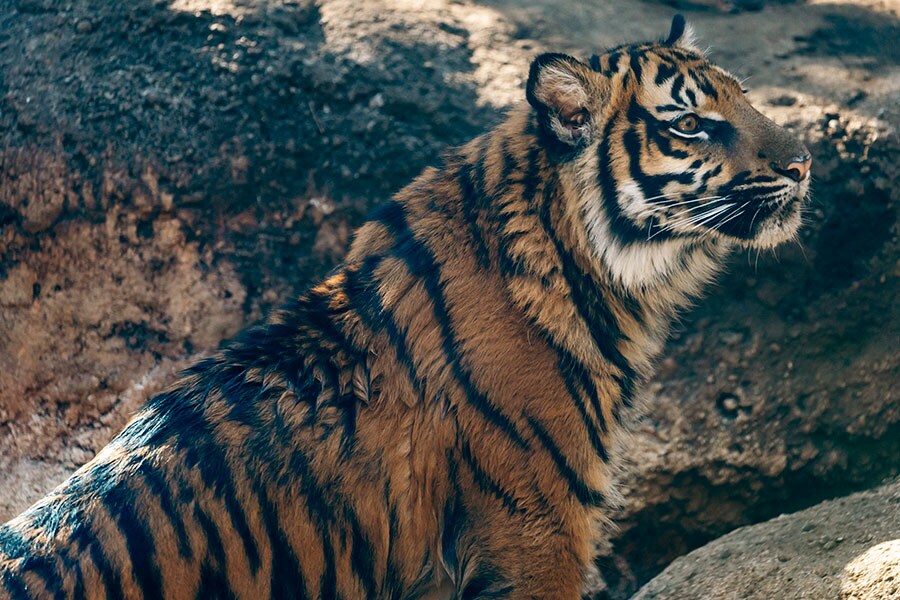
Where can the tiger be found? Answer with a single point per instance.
(443, 414)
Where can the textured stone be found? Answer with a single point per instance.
(846, 548)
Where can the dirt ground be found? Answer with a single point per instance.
(170, 169)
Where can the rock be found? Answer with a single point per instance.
(874, 574)
(84, 26)
(786, 559)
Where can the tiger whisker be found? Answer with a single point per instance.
(737, 212)
(695, 221)
(674, 194)
(750, 229)
(695, 200)
(710, 216)
(679, 215)
(705, 216)
(686, 212)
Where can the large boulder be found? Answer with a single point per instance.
(847, 548)
(170, 169)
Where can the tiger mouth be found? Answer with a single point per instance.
(765, 220)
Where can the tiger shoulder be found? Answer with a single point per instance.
(440, 416)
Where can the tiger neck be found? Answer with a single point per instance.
(610, 304)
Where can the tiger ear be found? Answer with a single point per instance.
(563, 90)
(682, 35)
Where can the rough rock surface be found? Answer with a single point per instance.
(170, 169)
(847, 548)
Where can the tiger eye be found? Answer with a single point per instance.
(688, 124)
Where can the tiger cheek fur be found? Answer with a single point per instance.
(440, 416)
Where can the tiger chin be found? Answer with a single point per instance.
(440, 416)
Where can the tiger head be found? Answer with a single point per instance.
(666, 148)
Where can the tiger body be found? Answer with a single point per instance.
(442, 413)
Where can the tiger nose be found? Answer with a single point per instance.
(796, 168)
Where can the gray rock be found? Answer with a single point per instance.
(846, 548)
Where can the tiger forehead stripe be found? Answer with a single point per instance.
(460, 384)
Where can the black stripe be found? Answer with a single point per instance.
(50, 517)
(196, 439)
(486, 582)
(638, 114)
(487, 484)
(15, 546)
(664, 71)
(362, 290)
(626, 390)
(215, 549)
(286, 577)
(213, 585)
(691, 96)
(393, 583)
(614, 62)
(577, 380)
(705, 86)
(422, 265)
(213, 578)
(454, 519)
(478, 172)
(586, 298)
(16, 588)
(677, 86)
(704, 179)
(619, 224)
(139, 544)
(321, 515)
(238, 519)
(315, 310)
(159, 487)
(328, 577)
(510, 162)
(582, 492)
(46, 571)
(470, 205)
(567, 364)
(73, 566)
(323, 512)
(650, 186)
(683, 55)
(350, 406)
(362, 555)
(532, 175)
(83, 537)
(636, 68)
